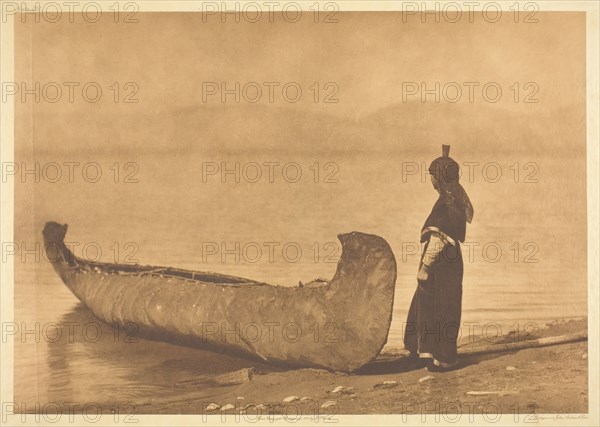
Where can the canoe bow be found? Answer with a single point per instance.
(339, 326)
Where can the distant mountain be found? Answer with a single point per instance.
(244, 129)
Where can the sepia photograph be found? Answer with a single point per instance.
(299, 213)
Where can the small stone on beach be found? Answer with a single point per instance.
(291, 399)
(328, 404)
(386, 384)
(227, 407)
(584, 356)
(511, 368)
(343, 389)
(426, 378)
(261, 407)
(212, 407)
(305, 399)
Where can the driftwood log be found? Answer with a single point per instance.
(521, 345)
(395, 353)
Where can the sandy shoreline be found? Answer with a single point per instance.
(533, 381)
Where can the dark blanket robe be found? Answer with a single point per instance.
(434, 318)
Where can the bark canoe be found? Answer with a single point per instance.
(338, 325)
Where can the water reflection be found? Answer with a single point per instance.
(90, 361)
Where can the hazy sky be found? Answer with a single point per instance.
(368, 55)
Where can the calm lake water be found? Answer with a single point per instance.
(171, 217)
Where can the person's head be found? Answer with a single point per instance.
(444, 170)
(445, 175)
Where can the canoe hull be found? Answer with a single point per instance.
(340, 325)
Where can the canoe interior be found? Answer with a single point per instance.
(54, 234)
(148, 270)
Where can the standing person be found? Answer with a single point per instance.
(434, 317)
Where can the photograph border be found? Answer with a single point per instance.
(7, 118)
